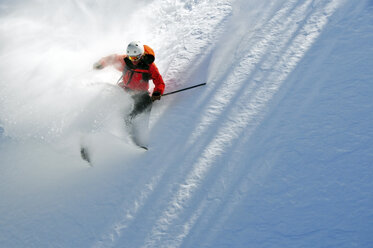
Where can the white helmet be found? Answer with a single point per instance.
(135, 48)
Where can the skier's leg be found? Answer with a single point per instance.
(138, 120)
(142, 103)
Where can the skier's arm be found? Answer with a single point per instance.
(114, 60)
(157, 79)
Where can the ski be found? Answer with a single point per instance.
(85, 155)
(143, 147)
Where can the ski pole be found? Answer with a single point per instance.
(119, 79)
(188, 88)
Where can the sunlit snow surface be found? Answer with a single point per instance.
(275, 151)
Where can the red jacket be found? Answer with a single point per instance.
(137, 76)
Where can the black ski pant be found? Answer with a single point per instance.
(142, 104)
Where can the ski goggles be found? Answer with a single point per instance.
(135, 58)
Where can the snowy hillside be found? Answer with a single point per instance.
(275, 151)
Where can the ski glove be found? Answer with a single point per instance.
(156, 96)
(97, 66)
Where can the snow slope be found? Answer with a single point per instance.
(276, 150)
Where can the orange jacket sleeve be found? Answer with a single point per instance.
(115, 60)
(157, 79)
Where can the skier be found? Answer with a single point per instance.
(138, 67)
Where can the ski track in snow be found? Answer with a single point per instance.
(284, 43)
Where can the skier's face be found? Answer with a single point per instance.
(135, 58)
